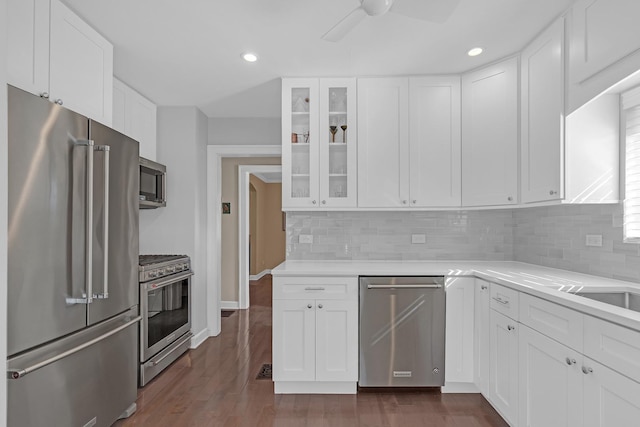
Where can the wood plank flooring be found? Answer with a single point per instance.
(215, 385)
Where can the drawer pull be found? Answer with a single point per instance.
(586, 370)
(570, 361)
(309, 288)
(500, 300)
(484, 287)
(510, 328)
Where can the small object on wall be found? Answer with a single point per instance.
(294, 138)
(226, 208)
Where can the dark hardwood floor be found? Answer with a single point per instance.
(215, 385)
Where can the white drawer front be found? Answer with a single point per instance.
(315, 287)
(504, 300)
(612, 345)
(559, 323)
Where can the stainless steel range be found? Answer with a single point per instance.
(165, 307)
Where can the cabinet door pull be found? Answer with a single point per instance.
(309, 306)
(586, 370)
(500, 300)
(570, 361)
(319, 305)
(510, 328)
(484, 287)
(311, 288)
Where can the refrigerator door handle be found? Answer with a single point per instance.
(105, 279)
(15, 374)
(88, 297)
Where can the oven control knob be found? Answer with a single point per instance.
(170, 270)
(153, 274)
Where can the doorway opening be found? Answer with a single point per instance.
(261, 236)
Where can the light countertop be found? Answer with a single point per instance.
(548, 283)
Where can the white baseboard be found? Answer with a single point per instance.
(450, 387)
(229, 305)
(199, 338)
(315, 387)
(260, 275)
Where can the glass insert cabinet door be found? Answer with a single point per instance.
(300, 143)
(338, 143)
(318, 143)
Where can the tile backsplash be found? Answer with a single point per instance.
(551, 236)
(555, 236)
(477, 235)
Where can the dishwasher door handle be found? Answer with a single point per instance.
(405, 286)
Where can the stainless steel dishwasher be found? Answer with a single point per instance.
(402, 321)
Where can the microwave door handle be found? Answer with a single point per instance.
(163, 193)
(105, 267)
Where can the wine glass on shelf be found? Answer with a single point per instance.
(344, 133)
(333, 130)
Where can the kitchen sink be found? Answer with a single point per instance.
(628, 300)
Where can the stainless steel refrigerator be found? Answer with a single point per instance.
(73, 267)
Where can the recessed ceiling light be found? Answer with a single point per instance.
(475, 51)
(250, 57)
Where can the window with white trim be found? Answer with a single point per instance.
(631, 106)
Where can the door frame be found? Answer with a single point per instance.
(215, 153)
(244, 173)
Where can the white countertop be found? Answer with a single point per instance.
(548, 283)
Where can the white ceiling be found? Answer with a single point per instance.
(187, 52)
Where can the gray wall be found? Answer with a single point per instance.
(245, 131)
(549, 236)
(181, 226)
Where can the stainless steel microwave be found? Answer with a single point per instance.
(153, 184)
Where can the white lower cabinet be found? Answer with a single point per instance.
(610, 399)
(294, 340)
(459, 346)
(503, 374)
(336, 340)
(315, 339)
(482, 312)
(550, 382)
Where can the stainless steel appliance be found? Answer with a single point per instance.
(165, 307)
(72, 309)
(153, 184)
(402, 331)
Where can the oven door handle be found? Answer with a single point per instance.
(166, 281)
(186, 338)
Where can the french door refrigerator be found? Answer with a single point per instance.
(73, 267)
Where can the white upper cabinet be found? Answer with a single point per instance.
(409, 142)
(54, 54)
(80, 65)
(434, 141)
(490, 135)
(319, 141)
(28, 45)
(542, 125)
(338, 143)
(135, 116)
(605, 46)
(383, 142)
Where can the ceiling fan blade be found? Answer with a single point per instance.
(427, 10)
(347, 24)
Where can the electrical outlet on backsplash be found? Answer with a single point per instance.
(552, 236)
